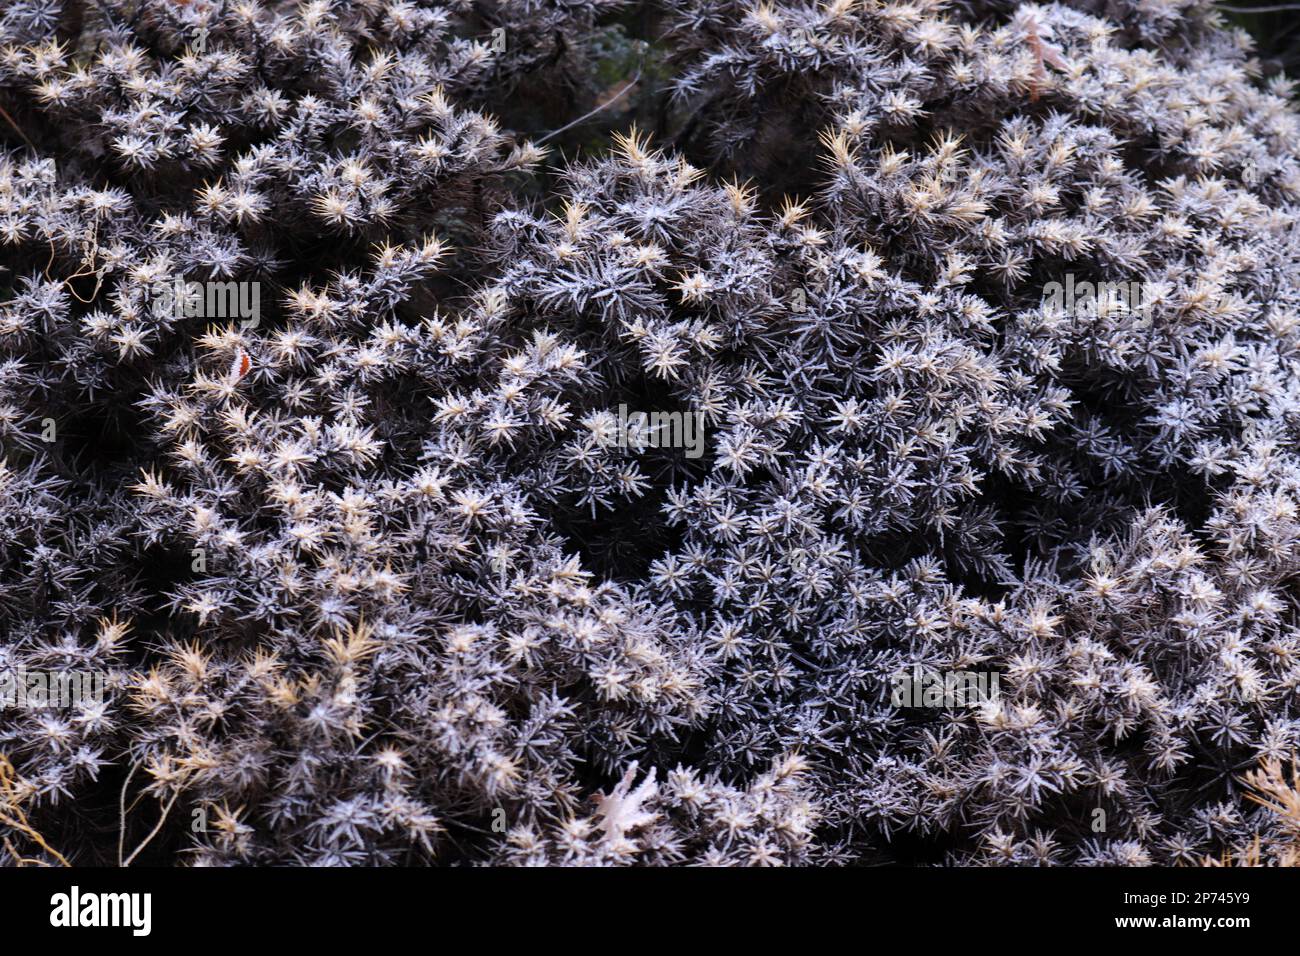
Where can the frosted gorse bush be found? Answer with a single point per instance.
(367, 578)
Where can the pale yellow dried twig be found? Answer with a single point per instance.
(12, 815)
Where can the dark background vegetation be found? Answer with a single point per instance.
(627, 81)
(1276, 29)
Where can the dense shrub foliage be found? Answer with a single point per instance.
(372, 569)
